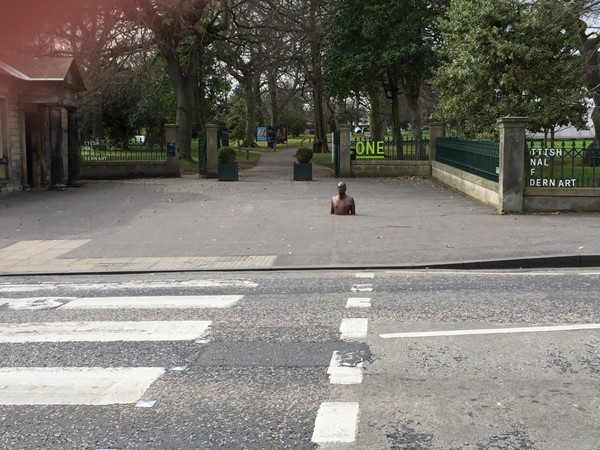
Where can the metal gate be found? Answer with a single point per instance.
(202, 162)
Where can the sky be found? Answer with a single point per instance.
(21, 19)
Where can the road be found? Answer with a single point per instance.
(313, 359)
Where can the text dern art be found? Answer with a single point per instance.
(541, 158)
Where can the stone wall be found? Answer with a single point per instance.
(115, 171)
(479, 188)
(384, 168)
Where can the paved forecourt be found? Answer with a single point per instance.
(47, 257)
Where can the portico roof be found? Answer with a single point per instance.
(43, 69)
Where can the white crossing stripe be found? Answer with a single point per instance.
(122, 285)
(354, 328)
(102, 331)
(75, 385)
(34, 303)
(365, 275)
(340, 374)
(336, 422)
(362, 288)
(154, 302)
(358, 302)
(589, 326)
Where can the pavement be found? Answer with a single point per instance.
(267, 221)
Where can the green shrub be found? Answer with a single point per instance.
(304, 155)
(227, 155)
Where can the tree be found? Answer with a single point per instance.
(589, 43)
(236, 117)
(390, 41)
(305, 22)
(182, 30)
(508, 57)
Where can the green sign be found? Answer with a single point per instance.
(370, 150)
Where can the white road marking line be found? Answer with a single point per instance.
(365, 275)
(7, 287)
(340, 374)
(336, 422)
(145, 403)
(154, 302)
(35, 303)
(75, 385)
(362, 288)
(443, 272)
(354, 329)
(358, 302)
(102, 331)
(589, 326)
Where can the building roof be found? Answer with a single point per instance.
(43, 69)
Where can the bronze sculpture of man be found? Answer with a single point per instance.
(342, 204)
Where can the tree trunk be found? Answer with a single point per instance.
(260, 110)
(394, 93)
(412, 92)
(272, 80)
(589, 52)
(320, 142)
(184, 85)
(316, 78)
(184, 117)
(250, 101)
(377, 130)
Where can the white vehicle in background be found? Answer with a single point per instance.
(363, 129)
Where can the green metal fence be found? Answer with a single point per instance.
(477, 157)
(95, 151)
(389, 149)
(566, 164)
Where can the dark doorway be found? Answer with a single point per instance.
(33, 146)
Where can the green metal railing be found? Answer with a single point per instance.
(566, 164)
(477, 157)
(391, 150)
(94, 151)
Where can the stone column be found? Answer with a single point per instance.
(345, 142)
(436, 130)
(57, 173)
(172, 140)
(212, 150)
(74, 149)
(512, 164)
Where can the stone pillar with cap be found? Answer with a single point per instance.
(436, 130)
(512, 163)
(345, 143)
(212, 150)
(172, 142)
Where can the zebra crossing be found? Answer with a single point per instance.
(129, 345)
(95, 385)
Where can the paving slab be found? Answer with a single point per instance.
(268, 220)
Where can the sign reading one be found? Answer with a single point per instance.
(370, 150)
(538, 157)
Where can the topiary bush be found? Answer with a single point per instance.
(226, 155)
(304, 155)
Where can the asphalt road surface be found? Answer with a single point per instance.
(316, 359)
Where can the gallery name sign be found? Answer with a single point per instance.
(370, 150)
(539, 158)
